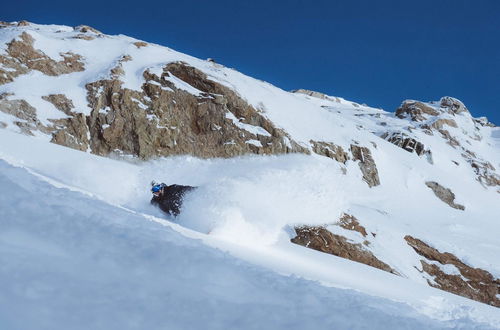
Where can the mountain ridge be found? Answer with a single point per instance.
(115, 95)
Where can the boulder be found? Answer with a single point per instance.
(317, 95)
(416, 111)
(22, 51)
(452, 105)
(320, 239)
(469, 282)
(444, 194)
(331, 150)
(405, 142)
(366, 164)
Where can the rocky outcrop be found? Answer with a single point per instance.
(321, 239)
(86, 29)
(22, 57)
(28, 120)
(140, 44)
(444, 194)
(416, 111)
(61, 102)
(452, 105)
(330, 150)
(350, 222)
(419, 111)
(405, 142)
(163, 119)
(450, 274)
(483, 121)
(317, 95)
(441, 122)
(366, 164)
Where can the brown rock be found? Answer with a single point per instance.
(320, 239)
(61, 102)
(451, 140)
(415, 110)
(444, 194)
(438, 124)
(366, 164)
(86, 29)
(452, 105)
(317, 95)
(140, 44)
(71, 132)
(23, 52)
(84, 37)
(164, 120)
(473, 283)
(405, 142)
(330, 150)
(23, 23)
(350, 222)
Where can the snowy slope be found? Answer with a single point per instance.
(61, 224)
(246, 206)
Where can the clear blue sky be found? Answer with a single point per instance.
(374, 52)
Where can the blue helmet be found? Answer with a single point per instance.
(156, 187)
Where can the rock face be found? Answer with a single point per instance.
(22, 57)
(164, 119)
(330, 150)
(366, 164)
(320, 239)
(444, 194)
(452, 105)
(405, 142)
(451, 274)
(317, 95)
(350, 222)
(417, 111)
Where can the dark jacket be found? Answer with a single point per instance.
(170, 200)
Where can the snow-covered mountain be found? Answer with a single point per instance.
(411, 196)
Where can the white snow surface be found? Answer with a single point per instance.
(82, 248)
(80, 243)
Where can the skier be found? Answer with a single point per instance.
(169, 198)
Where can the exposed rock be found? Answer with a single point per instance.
(452, 105)
(330, 150)
(483, 169)
(10, 68)
(85, 29)
(21, 109)
(405, 142)
(71, 132)
(444, 194)
(140, 44)
(164, 120)
(61, 102)
(483, 121)
(350, 222)
(366, 164)
(473, 283)
(22, 51)
(451, 140)
(316, 95)
(320, 239)
(84, 37)
(415, 110)
(439, 123)
(23, 23)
